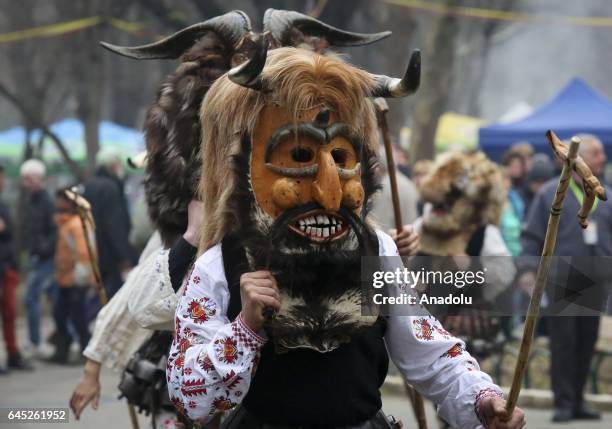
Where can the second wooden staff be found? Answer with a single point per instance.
(382, 108)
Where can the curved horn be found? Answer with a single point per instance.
(281, 22)
(390, 87)
(230, 27)
(248, 73)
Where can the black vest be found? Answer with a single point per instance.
(307, 388)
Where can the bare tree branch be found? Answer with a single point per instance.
(36, 122)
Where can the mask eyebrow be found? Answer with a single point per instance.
(345, 130)
(321, 135)
(288, 130)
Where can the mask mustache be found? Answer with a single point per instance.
(281, 224)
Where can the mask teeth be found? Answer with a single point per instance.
(320, 226)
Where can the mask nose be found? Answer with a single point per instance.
(326, 188)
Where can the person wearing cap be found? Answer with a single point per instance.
(39, 235)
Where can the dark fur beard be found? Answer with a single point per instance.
(316, 282)
(315, 275)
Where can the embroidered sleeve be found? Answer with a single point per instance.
(484, 393)
(437, 364)
(211, 360)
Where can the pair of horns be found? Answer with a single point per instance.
(280, 24)
(248, 74)
(232, 26)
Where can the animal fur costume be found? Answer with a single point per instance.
(289, 145)
(288, 148)
(466, 191)
(207, 50)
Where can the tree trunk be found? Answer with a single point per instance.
(90, 103)
(438, 60)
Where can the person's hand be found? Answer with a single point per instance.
(2, 225)
(493, 412)
(194, 222)
(88, 389)
(407, 241)
(526, 282)
(258, 290)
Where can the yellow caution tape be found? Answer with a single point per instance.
(68, 27)
(502, 15)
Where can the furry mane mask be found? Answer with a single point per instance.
(466, 191)
(207, 50)
(289, 141)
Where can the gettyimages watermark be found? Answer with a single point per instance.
(496, 286)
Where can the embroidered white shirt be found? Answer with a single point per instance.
(213, 359)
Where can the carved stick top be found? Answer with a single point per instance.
(590, 184)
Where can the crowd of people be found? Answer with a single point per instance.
(531, 181)
(58, 263)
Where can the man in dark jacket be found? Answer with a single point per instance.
(105, 193)
(39, 234)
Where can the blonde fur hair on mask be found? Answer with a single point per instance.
(300, 80)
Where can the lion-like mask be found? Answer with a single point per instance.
(465, 191)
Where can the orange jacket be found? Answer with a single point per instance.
(72, 262)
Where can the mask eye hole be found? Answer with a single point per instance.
(302, 154)
(340, 156)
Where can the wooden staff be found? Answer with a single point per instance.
(84, 211)
(571, 163)
(89, 226)
(133, 416)
(382, 108)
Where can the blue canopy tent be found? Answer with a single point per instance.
(578, 108)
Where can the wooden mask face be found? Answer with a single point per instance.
(315, 162)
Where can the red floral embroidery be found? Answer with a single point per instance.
(186, 283)
(222, 403)
(423, 329)
(179, 362)
(201, 309)
(484, 393)
(231, 380)
(246, 336)
(177, 328)
(184, 344)
(187, 371)
(205, 362)
(192, 404)
(178, 404)
(196, 280)
(454, 351)
(440, 330)
(193, 387)
(226, 350)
